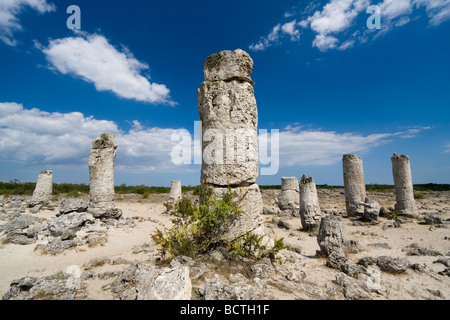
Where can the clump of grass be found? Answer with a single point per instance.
(419, 195)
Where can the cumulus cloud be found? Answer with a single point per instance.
(33, 136)
(334, 23)
(92, 58)
(36, 137)
(317, 147)
(9, 16)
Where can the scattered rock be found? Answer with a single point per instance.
(386, 263)
(352, 288)
(72, 204)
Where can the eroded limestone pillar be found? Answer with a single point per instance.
(310, 213)
(42, 193)
(175, 190)
(289, 199)
(101, 173)
(229, 117)
(404, 192)
(354, 185)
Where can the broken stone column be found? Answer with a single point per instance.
(101, 172)
(229, 120)
(310, 213)
(404, 192)
(354, 185)
(331, 236)
(42, 193)
(289, 200)
(371, 210)
(175, 190)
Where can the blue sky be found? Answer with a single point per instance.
(328, 83)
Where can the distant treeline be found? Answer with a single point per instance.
(16, 187)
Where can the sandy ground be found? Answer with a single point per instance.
(17, 261)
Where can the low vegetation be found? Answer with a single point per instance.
(201, 228)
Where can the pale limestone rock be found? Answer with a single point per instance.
(229, 65)
(101, 172)
(371, 210)
(229, 116)
(331, 236)
(42, 193)
(172, 284)
(251, 205)
(404, 192)
(310, 212)
(355, 188)
(175, 190)
(289, 199)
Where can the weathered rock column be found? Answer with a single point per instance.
(310, 213)
(289, 200)
(175, 190)
(229, 117)
(404, 192)
(354, 185)
(42, 193)
(331, 236)
(101, 172)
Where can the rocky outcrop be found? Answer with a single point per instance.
(354, 185)
(404, 192)
(101, 173)
(229, 117)
(331, 236)
(289, 199)
(310, 212)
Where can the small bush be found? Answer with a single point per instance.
(419, 195)
(201, 228)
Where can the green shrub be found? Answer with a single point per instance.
(201, 228)
(419, 195)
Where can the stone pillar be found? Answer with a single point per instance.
(310, 213)
(355, 187)
(331, 236)
(404, 192)
(175, 190)
(289, 200)
(101, 172)
(42, 193)
(229, 118)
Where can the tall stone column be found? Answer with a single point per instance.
(175, 190)
(289, 199)
(42, 193)
(354, 185)
(101, 172)
(229, 117)
(404, 192)
(310, 213)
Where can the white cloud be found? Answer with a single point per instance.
(95, 60)
(334, 23)
(33, 136)
(324, 43)
(36, 137)
(9, 12)
(288, 28)
(316, 147)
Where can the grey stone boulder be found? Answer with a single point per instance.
(72, 204)
(386, 263)
(67, 225)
